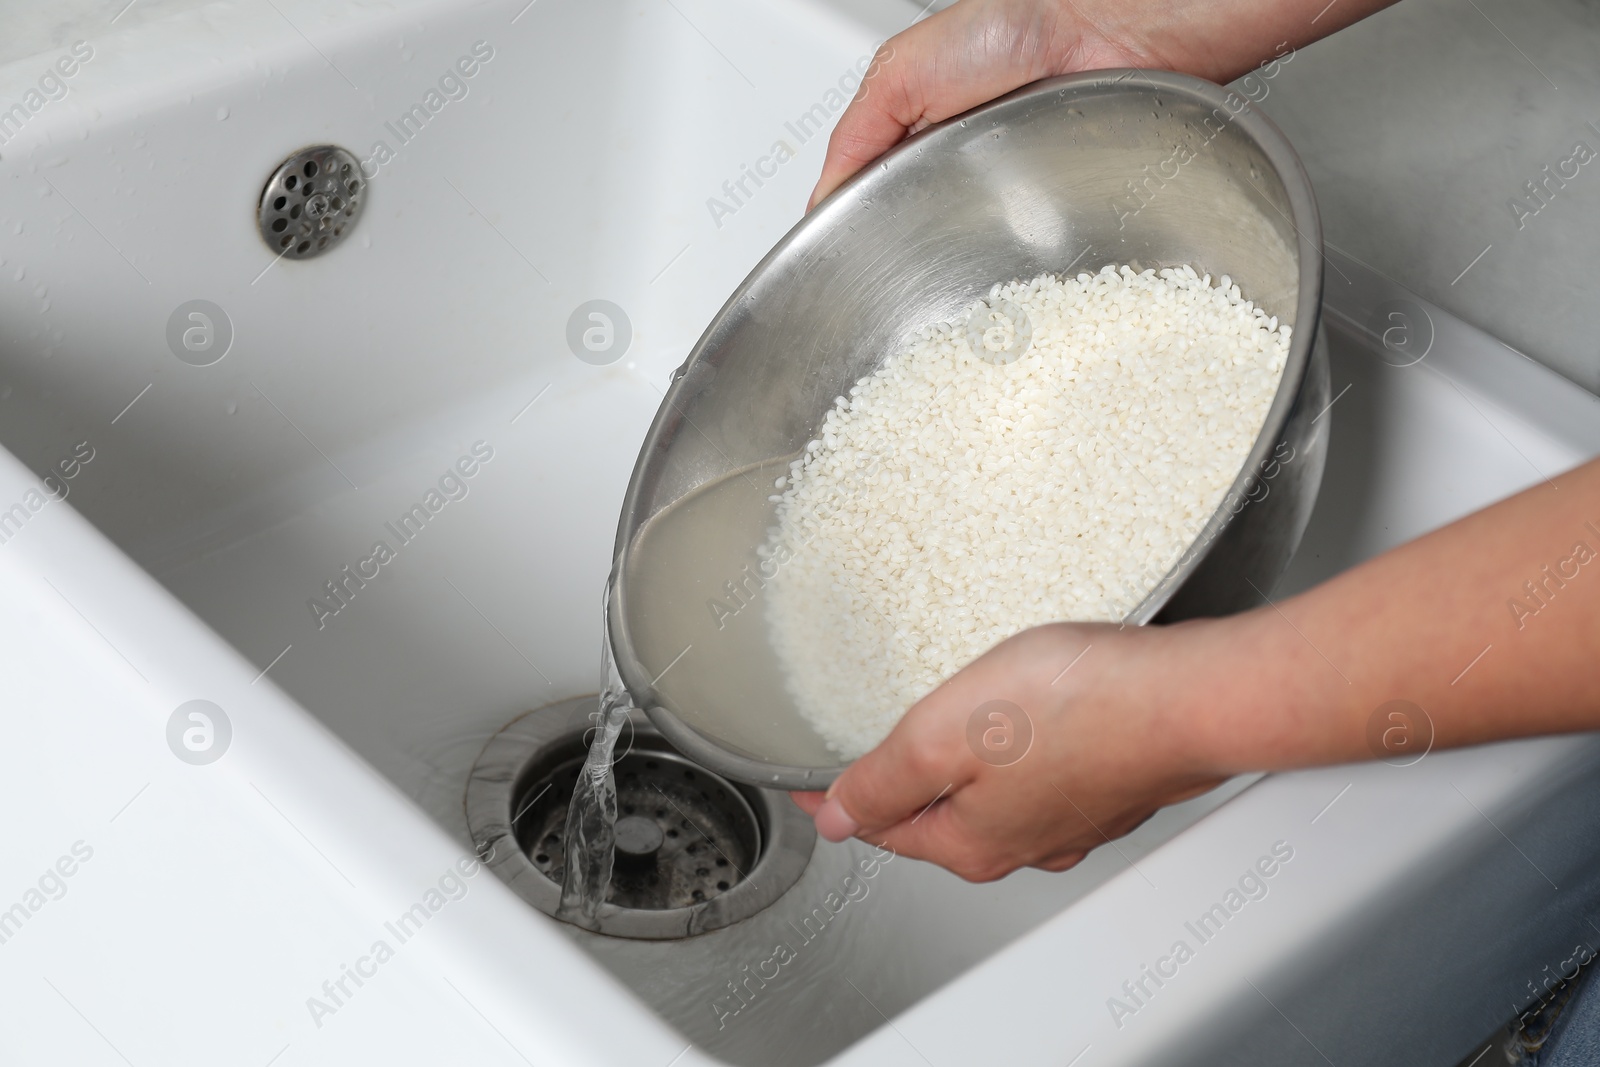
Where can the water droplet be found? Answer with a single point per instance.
(233, 407)
(222, 113)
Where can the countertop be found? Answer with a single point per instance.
(1421, 125)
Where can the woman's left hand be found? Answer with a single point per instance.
(1053, 742)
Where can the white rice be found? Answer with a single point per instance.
(951, 501)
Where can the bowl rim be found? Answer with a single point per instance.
(1304, 219)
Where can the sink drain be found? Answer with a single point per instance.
(684, 836)
(695, 852)
(311, 202)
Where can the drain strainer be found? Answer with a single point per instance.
(311, 202)
(684, 835)
(695, 852)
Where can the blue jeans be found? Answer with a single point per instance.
(1574, 1035)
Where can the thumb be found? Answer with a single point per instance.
(865, 132)
(914, 766)
(878, 118)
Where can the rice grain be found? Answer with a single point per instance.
(953, 499)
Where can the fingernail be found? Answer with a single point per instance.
(834, 823)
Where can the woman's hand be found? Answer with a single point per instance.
(964, 56)
(1053, 742)
(1127, 720)
(977, 50)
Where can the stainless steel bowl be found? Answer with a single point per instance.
(1140, 167)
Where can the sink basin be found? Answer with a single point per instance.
(416, 387)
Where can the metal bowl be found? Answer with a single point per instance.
(1146, 168)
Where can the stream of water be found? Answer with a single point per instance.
(592, 817)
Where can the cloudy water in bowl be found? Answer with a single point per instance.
(695, 614)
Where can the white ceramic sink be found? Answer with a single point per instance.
(220, 500)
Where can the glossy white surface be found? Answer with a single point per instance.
(219, 898)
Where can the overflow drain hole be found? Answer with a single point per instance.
(311, 201)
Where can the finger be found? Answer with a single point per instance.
(807, 802)
(913, 767)
(1064, 861)
(924, 758)
(941, 834)
(945, 833)
(946, 64)
(834, 823)
(878, 118)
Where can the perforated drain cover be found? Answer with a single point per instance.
(695, 852)
(311, 202)
(684, 835)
